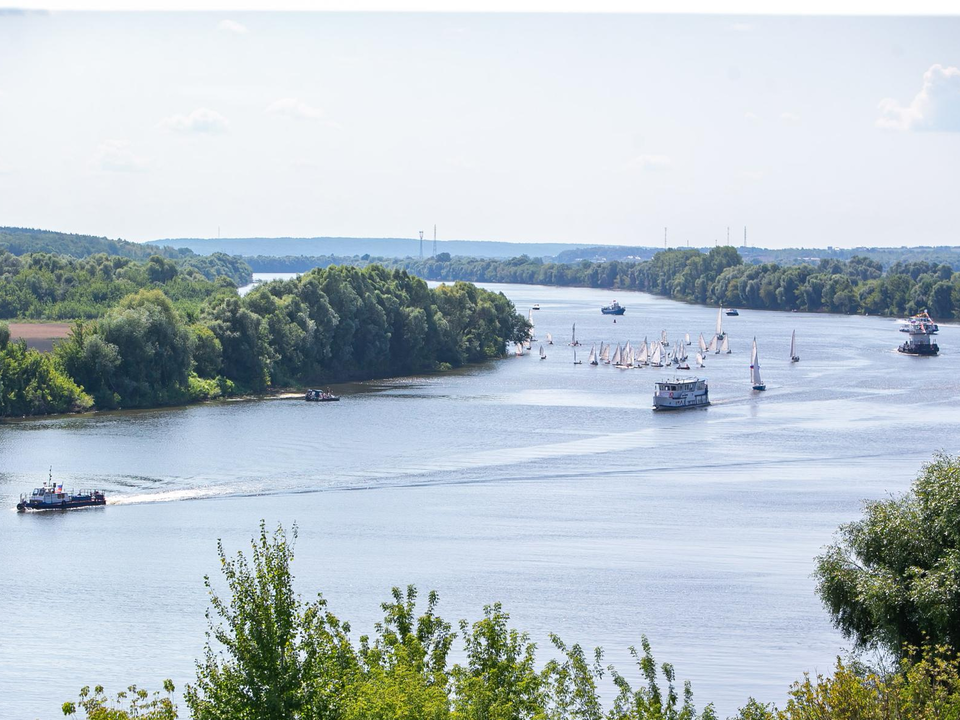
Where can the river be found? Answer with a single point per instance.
(549, 486)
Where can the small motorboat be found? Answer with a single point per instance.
(536, 306)
(320, 396)
(732, 312)
(52, 496)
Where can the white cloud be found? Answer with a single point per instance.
(651, 162)
(789, 117)
(201, 120)
(294, 108)
(116, 156)
(936, 106)
(232, 26)
(752, 117)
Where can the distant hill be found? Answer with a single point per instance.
(20, 241)
(383, 247)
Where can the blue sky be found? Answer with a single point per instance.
(564, 128)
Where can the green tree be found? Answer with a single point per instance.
(131, 704)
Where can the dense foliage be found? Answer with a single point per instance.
(22, 241)
(58, 287)
(720, 277)
(893, 578)
(334, 324)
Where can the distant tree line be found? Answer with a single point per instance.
(45, 286)
(21, 241)
(889, 583)
(720, 277)
(330, 325)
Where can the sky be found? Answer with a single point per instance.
(599, 129)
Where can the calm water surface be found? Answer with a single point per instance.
(550, 487)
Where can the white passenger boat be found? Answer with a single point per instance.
(680, 394)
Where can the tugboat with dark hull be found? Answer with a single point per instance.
(614, 308)
(52, 496)
(920, 330)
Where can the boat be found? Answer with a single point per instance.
(686, 339)
(921, 329)
(725, 345)
(713, 346)
(719, 332)
(793, 347)
(702, 343)
(680, 394)
(574, 342)
(613, 308)
(518, 349)
(655, 359)
(52, 496)
(536, 306)
(605, 355)
(575, 361)
(320, 396)
(543, 355)
(617, 356)
(732, 312)
(549, 339)
(627, 358)
(593, 356)
(700, 360)
(533, 334)
(755, 379)
(642, 357)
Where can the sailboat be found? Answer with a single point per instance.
(683, 353)
(755, 379)
(628, 357)
(617, 356)
(641, 359)
(518, 349)
(533, 335)
(543, 355)
(549, 339)
(655, 360)
(725, 346)
(793, 347)
(712, 347)
(681, 357)
(575, 361)
(593, 355)
(527, 344)
(699, 360)
(605, 355)
(686, 339)
(574, 342)
(663, 337)
(702, 344)
(720, 323)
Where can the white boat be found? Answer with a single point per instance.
(543, 355)
(574, 342)
(680, 394)
(593, 355)
(655, 359)
(663, 337)
(755, 379)
(605, 355)
(700, 360)
(686, 339)
(719, 332)
(702, 343)
(518, 349)
(536, 306)
(549, 339)
(617, 356)
(712, 347)
(725, 346)
(642, 357)
(793, 347)
(575, 361)
(683, 353)
(627, 357)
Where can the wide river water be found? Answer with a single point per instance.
(549, 486)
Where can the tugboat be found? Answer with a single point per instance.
(320, 396)
(921, 329)
(52, 496)
(680, 394)
(614, 308)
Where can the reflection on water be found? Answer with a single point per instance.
(549, 486)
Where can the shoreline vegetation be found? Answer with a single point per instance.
(888, 583)
(175, 340)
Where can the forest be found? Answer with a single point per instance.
(888, 584)
(179, 339)
(720, 277)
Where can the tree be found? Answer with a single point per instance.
(132, 704)
(893, 577)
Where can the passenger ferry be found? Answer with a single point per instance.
(680, 394)
(923, 321)
(52, 496)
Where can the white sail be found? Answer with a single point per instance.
(720, 322)
(593, 355)
(574, 340)
(793, 344)
(549, 339)
(702, 343)
(683, 353)
(686, 339)
(699, 360)
(616, 355)
(642, 356)
(725, 346)
(543, 355)
(655, 360)
(518, 349)
(712, 347)
(627, 350)
(755, 366)
(605, 354)
(663, 336)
